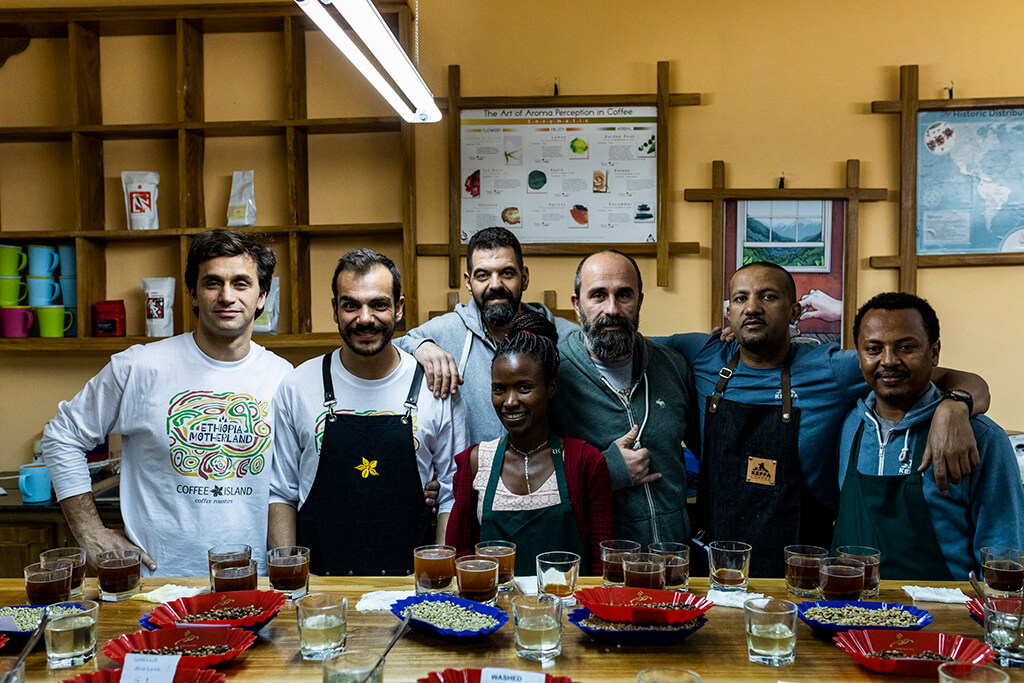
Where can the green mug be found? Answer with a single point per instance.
(12, 259)
(54, 321)
(13, 290)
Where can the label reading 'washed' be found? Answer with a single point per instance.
(149, 668)
(510, 676)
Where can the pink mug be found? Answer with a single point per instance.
(17, 321)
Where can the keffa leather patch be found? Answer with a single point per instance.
(761, 471)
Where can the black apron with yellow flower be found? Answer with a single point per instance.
(365, 513)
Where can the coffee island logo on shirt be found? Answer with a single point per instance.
(218, 436)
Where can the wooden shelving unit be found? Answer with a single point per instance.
(84, 29)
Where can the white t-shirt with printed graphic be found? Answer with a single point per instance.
(439, 426)
(195, 447)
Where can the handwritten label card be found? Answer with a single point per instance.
(510, 676)
(149, 668)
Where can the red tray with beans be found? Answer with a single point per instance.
(199, 647)
(251, 610)
(643, 605)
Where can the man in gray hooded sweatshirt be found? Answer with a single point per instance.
(460, 345)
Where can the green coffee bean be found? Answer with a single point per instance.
(27, 618)
(860, 616)
(451, 616)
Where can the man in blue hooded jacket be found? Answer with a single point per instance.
(885, 502)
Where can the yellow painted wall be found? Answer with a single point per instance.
(785, 86)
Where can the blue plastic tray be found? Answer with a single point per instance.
(648, 637)
(923, 617)
(16, 639)
(447, 634)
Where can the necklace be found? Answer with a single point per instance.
(526, 460)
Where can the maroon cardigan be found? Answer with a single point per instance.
(590, 492)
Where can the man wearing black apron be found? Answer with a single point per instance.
(771, 413)
(362, 435)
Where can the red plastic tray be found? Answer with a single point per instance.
(473, 676)
(180, 676)
(237, 639)
(627, 604)
(858, 643)
(1001, 604)
(271, 602)
(3, 640)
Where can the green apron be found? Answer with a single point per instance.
(890, 513)
(533, 531)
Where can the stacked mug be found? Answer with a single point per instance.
(39, 303)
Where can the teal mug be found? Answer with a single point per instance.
(42, 260)
(34, 482)
(42, 291)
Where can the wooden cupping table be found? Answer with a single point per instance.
(718, 651)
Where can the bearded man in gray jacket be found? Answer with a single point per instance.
(460, 345)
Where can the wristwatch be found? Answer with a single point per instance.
(962, 396)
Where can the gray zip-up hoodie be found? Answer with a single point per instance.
(660, 402)
(462, 334)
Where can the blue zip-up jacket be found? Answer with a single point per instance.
(985, 508)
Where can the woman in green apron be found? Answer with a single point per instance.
(539, 490)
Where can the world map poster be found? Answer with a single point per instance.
(970, 181)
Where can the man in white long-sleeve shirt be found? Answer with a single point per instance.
(357, 435)
(194, 415)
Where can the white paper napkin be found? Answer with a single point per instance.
(731, 598)
(169, 592)
(381, 601)
(527, 584)
(929, 594)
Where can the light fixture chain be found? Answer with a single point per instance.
(416, 35)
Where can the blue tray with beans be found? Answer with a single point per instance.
(451, 619)
(627, 633)
(25, 618)
(836, 616)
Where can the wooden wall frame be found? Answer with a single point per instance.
(662, 99)
(852, 194)
(908, 106)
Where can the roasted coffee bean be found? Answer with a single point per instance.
(928, 655)
(599, 624)
(202, 651)
(224, 614)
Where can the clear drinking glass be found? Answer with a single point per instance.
(7, 664)
(803, 568)
(71, 639)
(505, 553)
(229, 576)
(644, 570)
(48, 582)
(771, 630)
(872, 559)
(677, 564)
(1002, 570)
(76, 556)
(322, 620)
(352, 666)
(612, 553)
(233, 554)
(538, 626)
(668, 674)
(729, 564)
(557, 574)
(118, 573)
(841, 578)
(957, 672)
(478, 578)
(288, 567)
(434, 568)
(1004, 633)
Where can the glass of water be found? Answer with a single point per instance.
(71, 639)
(1004, 633)
(771, 630)
(322, 621)
(538, 626)
(353, 666)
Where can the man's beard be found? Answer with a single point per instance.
(610, 344)
(347, 334)
(499, 314)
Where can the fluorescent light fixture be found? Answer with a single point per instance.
(366, 21)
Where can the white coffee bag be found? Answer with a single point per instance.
(140, 194)
(242, 203)
(159, 295)
(266, 323)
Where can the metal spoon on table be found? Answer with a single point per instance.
(32, 640)
(973, 578)
(394, 639)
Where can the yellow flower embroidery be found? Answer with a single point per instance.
(367, 468)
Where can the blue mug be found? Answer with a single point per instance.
(34, 482)
(66, 254)
(42, 260)
(42, 291)
(69, 290)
